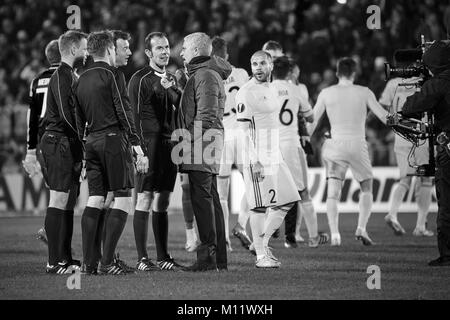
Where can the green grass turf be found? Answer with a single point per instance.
(322, 273)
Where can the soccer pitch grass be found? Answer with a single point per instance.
(322, 273)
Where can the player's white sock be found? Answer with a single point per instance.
(397, 199)
(226, 214)
(298, 224)
(307, 208)
(244, 212)
(423, 199)
(274, 220)
(333, 215)
(365, 208)
(257, 225)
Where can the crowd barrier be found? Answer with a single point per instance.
(20, 195)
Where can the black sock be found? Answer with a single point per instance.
(52, 224)
(114, 227)
(108, 212)
(140, 226)
(99, 235)
(66, 235)
(160, 223)
(89, 226)
(290, 220)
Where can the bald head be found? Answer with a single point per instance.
(195, 45)
(262, 54)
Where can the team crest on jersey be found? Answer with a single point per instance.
(240, 107)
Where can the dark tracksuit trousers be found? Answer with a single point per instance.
(442, 193)
(209, 216)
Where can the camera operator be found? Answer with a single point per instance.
(435, 97)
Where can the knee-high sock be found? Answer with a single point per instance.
(298, 224)
(103, 230)
(423, 199)
(244, 212)
(89, 229)
(257, 221)
(188, 211)
(66, 235)
(52, 224)
(160, 223)
(290, 220)
(397, 198)
(333, 215)
(226, 215)
(140, 227)
(273, 221)
(114, 227)
(99, 235)
(365, 208)
(310, 215)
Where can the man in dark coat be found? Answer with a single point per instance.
(200, 118)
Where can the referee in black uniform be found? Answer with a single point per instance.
(103, 103)
(61, 150)
(154, 97)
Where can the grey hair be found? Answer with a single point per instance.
(201, 41)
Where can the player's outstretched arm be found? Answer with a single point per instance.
(376, 108)
(319, 110)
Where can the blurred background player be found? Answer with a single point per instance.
(102, 98)
(346, 106)
(154, 98)
(275, 49)
(270, 188)
(393, 99)
(292, 106)
(232, 150)
(293, 78)
(62, 153)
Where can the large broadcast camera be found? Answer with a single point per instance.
(413, 130)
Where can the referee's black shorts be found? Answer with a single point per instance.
(109, 163)
(60, 168)
(162, 172)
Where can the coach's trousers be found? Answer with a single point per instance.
(209, 216)
(442, 193)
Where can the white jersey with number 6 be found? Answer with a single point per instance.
(257, 108)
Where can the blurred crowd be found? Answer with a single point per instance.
(314, 33)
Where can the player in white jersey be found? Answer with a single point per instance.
(231, 153)
(293, 106)
(346, 106)
(393, 98)
(268, 181)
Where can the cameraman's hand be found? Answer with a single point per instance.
(30, 164)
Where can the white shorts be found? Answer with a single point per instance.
(339, 155)
(419, 157)
(276, 189)
(295, 158)
(231, 154)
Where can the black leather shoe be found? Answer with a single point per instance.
(440, 262)
(200, 267)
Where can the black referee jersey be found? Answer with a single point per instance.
(38, 106)
(154, 107)
(103, 103)
(60, 114)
